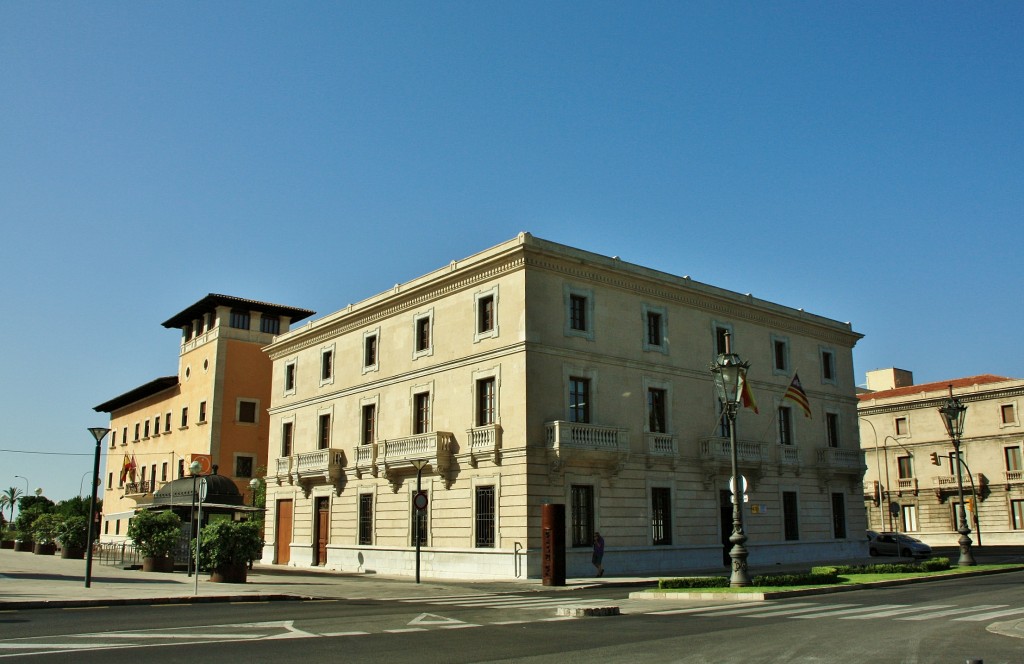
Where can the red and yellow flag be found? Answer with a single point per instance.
(747, 397)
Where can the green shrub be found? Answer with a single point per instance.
(45, 528)
(155, 533)
(694, 582)
(229, 543)
(935, 564)
(73, 531)
(824, 575)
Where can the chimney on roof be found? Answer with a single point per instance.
(889, 379)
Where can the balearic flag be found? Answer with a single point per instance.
(796, 393)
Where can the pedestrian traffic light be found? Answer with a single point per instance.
(935, 458)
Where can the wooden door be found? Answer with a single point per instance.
(283, 533)
(322, 531)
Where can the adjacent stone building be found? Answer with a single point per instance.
(535, 373)
(901, 430)
(213, 410)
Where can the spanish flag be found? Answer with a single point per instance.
(128, 467)
(747, 397)
(796, 393)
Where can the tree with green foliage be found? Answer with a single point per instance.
(9, 498)
(155, 533)
(229, 543)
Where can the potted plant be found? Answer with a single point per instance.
(155, 535)
(71, 535)
(7, 538)
(44, 532)
(227, 547)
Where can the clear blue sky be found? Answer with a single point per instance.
(860, 160)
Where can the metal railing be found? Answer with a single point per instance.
(116, 554)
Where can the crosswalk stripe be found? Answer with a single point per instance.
(990, 616)
(699, 609)
(953, 612)
(896, 612)
(756, 609)
(786, 612)
(829, 613)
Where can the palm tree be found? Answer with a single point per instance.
(9, 498)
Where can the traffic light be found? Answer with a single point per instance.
(935, 458)
(969, 500)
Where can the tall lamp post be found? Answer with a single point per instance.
(730, 372)
(193, 468)
(99, 433)
(953, 413)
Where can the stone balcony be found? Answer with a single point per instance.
(842, 460)
(1013, 478)
(138, 488)
(398, 457)
(716, 458)
(906, 485)
(484, 443)
(326, 466)
(661, 447)
(588, 445)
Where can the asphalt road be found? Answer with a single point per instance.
(951, 621)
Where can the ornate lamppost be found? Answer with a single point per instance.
(99, 433)
(953, 413)
(730, 372)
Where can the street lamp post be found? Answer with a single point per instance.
(254, 484)
(193, 470)
(730, 373)
(953, 413)
(99, 433)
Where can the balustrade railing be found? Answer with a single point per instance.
(561, 434)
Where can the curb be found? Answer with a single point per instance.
(137, 601)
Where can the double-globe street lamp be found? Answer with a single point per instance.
(953, 413)
(99, 433)
(730, 373)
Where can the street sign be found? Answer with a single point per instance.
(894, 508)
(420, 501)
(743, 484)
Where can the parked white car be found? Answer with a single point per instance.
(897, 544)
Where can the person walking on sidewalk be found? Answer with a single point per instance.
(598, 553)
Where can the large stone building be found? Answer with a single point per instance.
(213, 410)
(902, 429)
(536, 373)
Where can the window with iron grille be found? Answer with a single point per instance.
(656, 410)
(579, 400)
(419, 523)
(369, 415)
(790, 521)
(421, 404)
(661, 515)
(239, 319)
(270, 324)
(485, 402)
(485, 517)
(582, 499)
(287, 430)
(838, 516)
(366, 519)
(324, 432)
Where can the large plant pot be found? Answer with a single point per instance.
(229, 573)
(158, 564)
(25, 546)
(41, 549)
(7, 544)
(72, 552)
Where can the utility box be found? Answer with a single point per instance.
(552, 547)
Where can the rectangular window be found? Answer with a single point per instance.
(239, 319)
(369, 428)
(579, 400)
(582, 508)
(485, 402)
(326, 365)
(790, 519)
(145, 429)
(247, 412)
(838, 516)
(780, 353)
(485, 314)
(167, 423)
(902, 426)
(1007, 414)
(181, 468)
(828, 366)
(365, 519)
(656, 399)
(243, 466)
(184, 417)
(578, 312)
(484, 517)
(110, 480)
(113, 438)
(421, 406)
(653, 328)
(419, 524)
(1012, 456)
(323, 435)
(163, 472)
(423, 334)
(905, 467)
(202, 411)
(785, 418)
(136, 432)
(909, 516)
(832, 429)
(720, 336)
(1017, 514)
(286, 438)
(370, 351)
(289, 377)
(124, 436)
(156, 425)
(270, 324)
(661, 515)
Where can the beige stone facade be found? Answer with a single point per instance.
(213, 410)
(536, 373)
(901, 430)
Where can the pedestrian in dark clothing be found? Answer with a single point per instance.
(598, 553)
